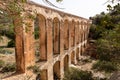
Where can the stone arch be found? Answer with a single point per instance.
(56, 71)
(42, 37)
(77, 53)
(66, 34)
(66, 63)
(73, 57)
(56, 36)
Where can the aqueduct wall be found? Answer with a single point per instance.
(62, 40)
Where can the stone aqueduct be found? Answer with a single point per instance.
(63, 39)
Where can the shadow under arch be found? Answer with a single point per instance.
(66, 63)
(72, 33)
(77, 53)
(56, 71)
(56, 36)
(41, 22)
(66, 34)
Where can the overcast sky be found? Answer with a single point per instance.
(83, 8)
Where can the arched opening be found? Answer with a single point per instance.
(42, 37)
(56, 71)
(36, 37)
(77, 32)
(66, 35)
(82, 36)
(56, 36)
(73, 33)
(80, 33)
(73, 57)
(66, 63)
(81, 50)
(77, 53)
(84, 39)
(43, 75)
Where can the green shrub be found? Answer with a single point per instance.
(76, 74)
(2, 63)
(36, 34)
(86, 60)
(10, 34)
(34, 68)
(11, 43)
(9, 68)
(104, 66)
(5, 51)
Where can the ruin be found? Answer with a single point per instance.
(62, 40)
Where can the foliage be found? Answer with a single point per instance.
(36, 29)
(11, 43)
(106, 31)
(104, 66)
(9, 68)
(2, 63)
(76, 74)
(108, 48)
(34, 68)
(5, 51)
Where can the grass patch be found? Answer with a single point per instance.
(5, 51)
(104, 66)
(34, 68)
(9, 68)
(76, 74)
(2, 63)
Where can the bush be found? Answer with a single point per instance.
(11, 43)
(76, 74)
(104, 66)
(5, 51)
(9, 68)
(10, 34)
(2, 63)
(34, 68)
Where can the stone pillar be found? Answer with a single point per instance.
(24, 42)
(29, 51)
(19, 46)
(50, 72)
(62, 68)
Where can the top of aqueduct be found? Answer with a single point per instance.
(60, 14)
